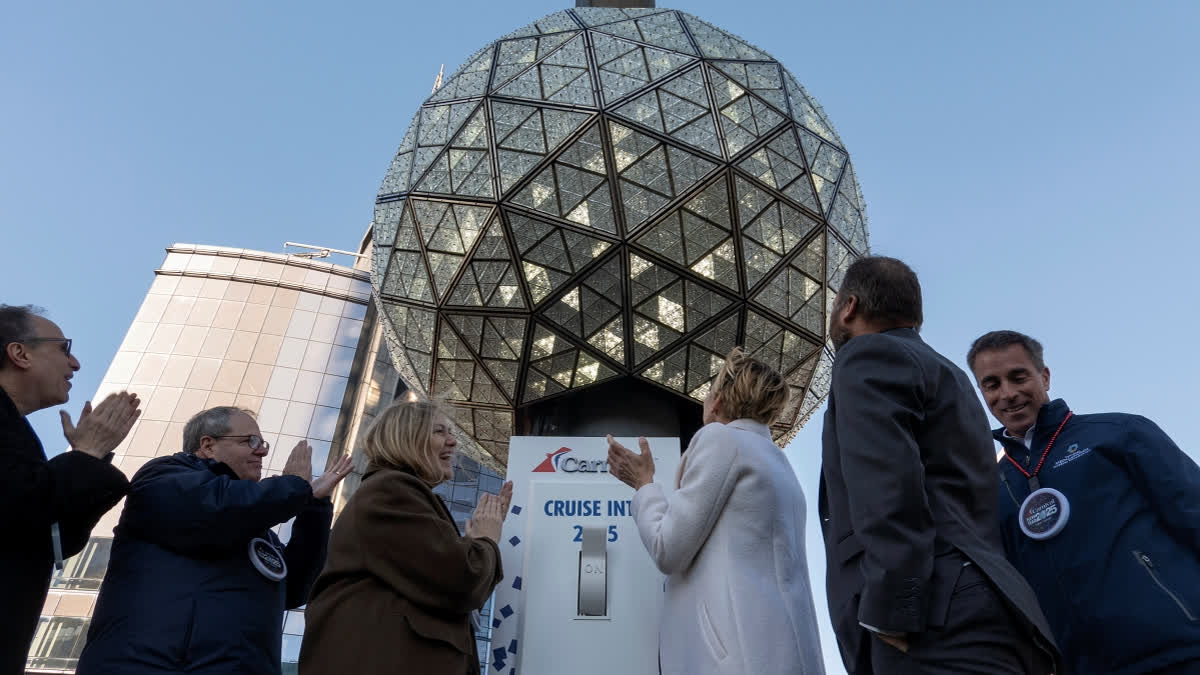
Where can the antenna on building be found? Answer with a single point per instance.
(317, 251)
(437, 84)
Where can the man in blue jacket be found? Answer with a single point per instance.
(1101, 513)
(197, 582)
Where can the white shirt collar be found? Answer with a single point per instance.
(1028, 440)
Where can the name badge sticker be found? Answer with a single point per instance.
(267, 559)
(1044, 513)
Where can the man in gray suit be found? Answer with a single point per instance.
(916, 576)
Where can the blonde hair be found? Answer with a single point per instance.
(399, 438)
(749, 388)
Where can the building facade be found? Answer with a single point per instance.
(292, 339)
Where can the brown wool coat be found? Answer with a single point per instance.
(398, 587)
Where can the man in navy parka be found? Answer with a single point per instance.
(1101, 513)
(197, 582)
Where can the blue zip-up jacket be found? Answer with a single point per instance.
(1121, 583)
(181, 594)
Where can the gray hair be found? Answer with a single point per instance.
(888, 291)
(212, 423)
(999, 339)
(15, 326)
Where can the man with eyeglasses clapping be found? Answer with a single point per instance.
(197, 581)
(52, 504)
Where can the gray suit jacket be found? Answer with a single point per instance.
(908, 489)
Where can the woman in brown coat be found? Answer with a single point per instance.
(400, 583)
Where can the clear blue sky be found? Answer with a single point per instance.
(1033, 161)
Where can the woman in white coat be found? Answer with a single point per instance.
(730, 538)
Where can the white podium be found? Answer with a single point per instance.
(580, 595)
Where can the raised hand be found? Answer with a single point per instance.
(323, 486)
(505, 498)
(101, 430)
(632, 470)
(299, 462)
(488, 518)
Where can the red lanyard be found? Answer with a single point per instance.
(1033, 481)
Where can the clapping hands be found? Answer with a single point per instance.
(488, 518)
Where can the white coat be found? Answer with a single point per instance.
(730, 539)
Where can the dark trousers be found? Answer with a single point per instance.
(1189, 668)
(981, 636)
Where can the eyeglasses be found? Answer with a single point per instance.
(255, 442)
(66, 342)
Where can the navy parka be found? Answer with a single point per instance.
(1120, 583)
(181, 594)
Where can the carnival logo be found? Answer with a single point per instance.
(558, 461)
(550, 464)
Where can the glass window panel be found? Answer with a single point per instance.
(354, 310)
(253, 317)
(261, 294)
(321, 451)
(324, 422)
(294, 275)
(301, 324)
(297, 419)
(348, 332)
(316, 278)
(190, 403)
(189, 286)
(276, 322)
(152, 308)
(164, 284)
(283, 380)
(238, 291)
(291, 353)
(149, 369)
(200, 263)
(271, 271)
(223, 265)
(266, 350)
(248, 268)
(325, 328)
(177, 371)
(340, 361)
(360, 289)
(333, 389)
(228, 313)
(191, 338)
(176, 261)
(291, 648)
(214, 288)
(204, 373)
(338, 282)
(332, 306)
(161, 403)
(285, 297)
(177, 309)
(138, 336)
(220, 398)
(241, 347)
(308, 386)
(121, 369)
(293, 622)
(270, 419)
(255, 381)
(216, 342)
(316, 356)
(309, 302)
(229, 376)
